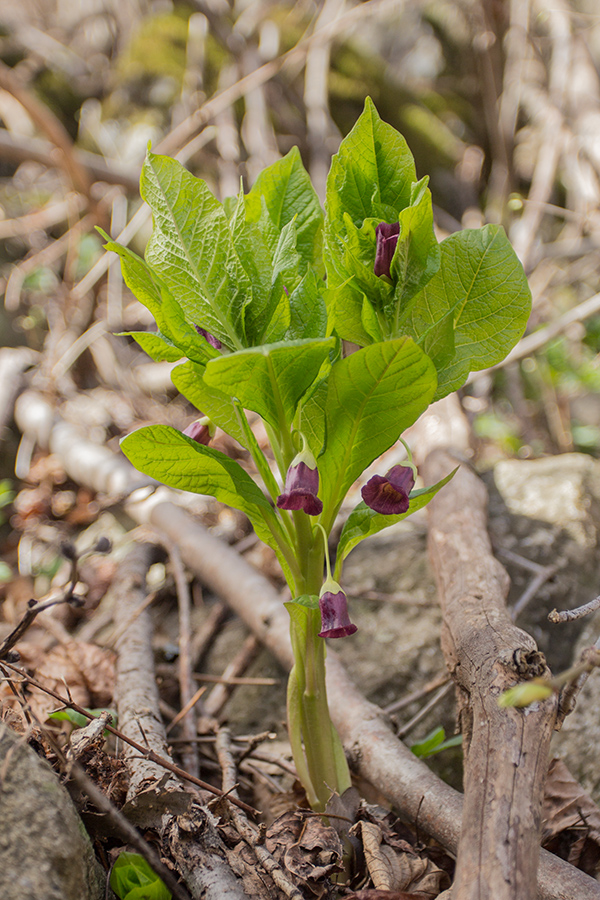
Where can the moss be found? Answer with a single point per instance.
(157, 50)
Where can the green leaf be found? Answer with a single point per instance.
(147, 287)
(312, 421)
(176, 460)
(253, 247)
(373, 396)
(139, 279)
(271, 379)
(308, 312)
(371, 174)
(417, 255)
(155, 345)
(78, 719)
(434, 743)
(192, 250)
(479, 300)
(288, 193)
(210, 401)
(132, 878)
(364, 521)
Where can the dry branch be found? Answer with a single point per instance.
(372, 746)
(506, 750)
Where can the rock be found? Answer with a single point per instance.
(45, 852)
(548, 511)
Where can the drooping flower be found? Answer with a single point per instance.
(388, 494)
(201, 431)
(302, 484)
(333, 604)
(387, 238)
(212, 340)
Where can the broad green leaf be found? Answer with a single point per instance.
(278, 327)
(253, 249)
(373, 396)
(288, 193)
(480, 291)
(149, 290)
(312, 419)
(210, 401)
(132, 878)
(271, 379)
(140, 279)
(417, 255)
(192, 250)
(159, 348)
(176, 460)
(371, 174)
(345, 306)
(364, 521)
(308, 313)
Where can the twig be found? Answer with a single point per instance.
(571, 691)
(189, 696)
(47, 217)
(205, 635)
(405, 701)
(569, 615)
(36, 607)
(531, 590)
(221, 693)
(52, 127)
(222, 679)
(150, 755)
(249, 833)
(425, 710)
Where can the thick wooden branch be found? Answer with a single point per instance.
(376, 752)
(506, 750)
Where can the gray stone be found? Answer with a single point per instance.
(45, 852)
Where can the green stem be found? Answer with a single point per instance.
(317, 749)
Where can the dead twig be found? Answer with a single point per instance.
(248, 832)
(150, 755)
(570, 615)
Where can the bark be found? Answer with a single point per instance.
(506, 750)
(136, 693)
(379, 756)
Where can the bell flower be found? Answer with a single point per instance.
(387, 238)
(333, 604)
(302, 484)
(389, 494)
(212, 340)
(201, 431)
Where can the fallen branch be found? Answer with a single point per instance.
(506, 750)
(373, 748)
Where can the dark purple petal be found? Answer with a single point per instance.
(387, 238)
(301, 486)
(335, 621)
(198, 432)
(213, 341)
(388, 494)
